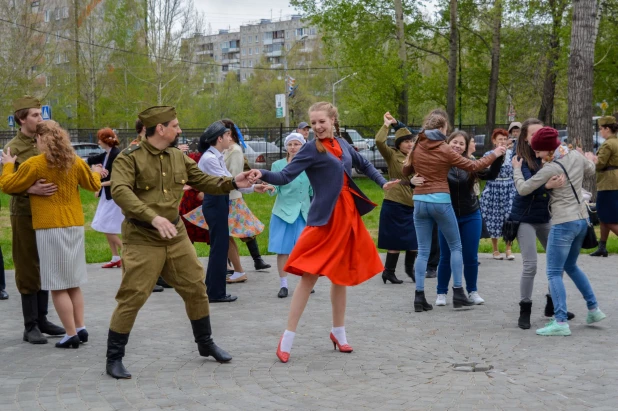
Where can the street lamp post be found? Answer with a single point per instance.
(285, 67)
(339, 81)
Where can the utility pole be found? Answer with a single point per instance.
(285, 80)
(78, 88)
(337, 82)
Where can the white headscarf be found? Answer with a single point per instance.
(295, 136)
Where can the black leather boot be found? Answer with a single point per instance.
(389, 268)
(420, 303)
(32, 334)
(549, 308)
(601, 251)
(205, 345)
(259, 264)
(45, 325)
(115, 352)
(460, 298)
(409, 264)
(525, 308)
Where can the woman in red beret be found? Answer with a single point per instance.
(569, 222)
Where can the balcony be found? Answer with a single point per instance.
(276, 66)
(204, 52)
(274, 53)
(267, 41)
(233, 50)
(279, 40)
(234, 60)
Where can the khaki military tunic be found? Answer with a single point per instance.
(25, 253)
(607, 165)
(148, 182)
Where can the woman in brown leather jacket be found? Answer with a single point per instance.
(431, 158)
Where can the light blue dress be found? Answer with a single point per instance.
(289, 213)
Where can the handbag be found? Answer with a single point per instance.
(590, 241)
(510, 227)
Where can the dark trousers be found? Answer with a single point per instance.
(434, 256)
(2, 279)
(216, 210)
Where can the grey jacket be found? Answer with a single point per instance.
(325, 172)
(563, 204)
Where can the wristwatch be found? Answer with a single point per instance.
(234, 183)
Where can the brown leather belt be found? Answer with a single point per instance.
(149, 226)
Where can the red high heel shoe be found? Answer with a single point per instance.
(342, 348)
(282, 355)
(112, 264)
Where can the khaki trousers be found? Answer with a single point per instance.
(25, 255)
(141, 267)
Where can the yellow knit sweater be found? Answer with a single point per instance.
(63, 208)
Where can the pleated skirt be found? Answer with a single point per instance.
(62, 256)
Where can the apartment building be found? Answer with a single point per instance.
(266, 42)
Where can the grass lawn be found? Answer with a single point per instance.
(97, 249)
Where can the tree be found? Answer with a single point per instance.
(495, 67)
(584, 30)
(451, 93)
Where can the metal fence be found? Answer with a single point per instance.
(265, 144)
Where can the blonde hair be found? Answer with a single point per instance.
(56, 145)
(332, 112)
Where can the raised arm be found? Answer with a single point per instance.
(301, 161)
(525, 187)
(382, 136)
(206, 183)
(464, 163)
(364, 166)
(86, 178)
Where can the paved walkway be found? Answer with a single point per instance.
(402, 360)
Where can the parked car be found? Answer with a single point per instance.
(85, 150)
(373, 155)
(358, 140)
(261, 154)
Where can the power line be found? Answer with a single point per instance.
(170, 59)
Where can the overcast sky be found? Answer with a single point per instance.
(233, 13)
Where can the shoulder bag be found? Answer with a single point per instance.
(590, 241)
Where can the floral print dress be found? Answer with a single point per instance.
(497, 197)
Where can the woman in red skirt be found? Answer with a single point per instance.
(335, 242)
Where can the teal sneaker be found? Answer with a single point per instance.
(595, 316)
(553, 328)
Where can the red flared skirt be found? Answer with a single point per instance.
(341, 250)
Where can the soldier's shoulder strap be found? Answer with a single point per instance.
(131, 149)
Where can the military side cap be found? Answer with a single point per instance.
(402, 132)
(157, 115)
(26, 102)
(607, 120)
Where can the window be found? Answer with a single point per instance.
(250, 63)
(35, 7)
(312, 32)
(58, 13)
(250, 51)
(244, 76)
(256, 39)
(244, 52)
(257, 50)
(65, 12)
(48, 15)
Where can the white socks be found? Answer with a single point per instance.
(80, 328)
(115, 258)
(65, 338)
(236, 275)
(283, 282)
(287, 341)
(339, 333)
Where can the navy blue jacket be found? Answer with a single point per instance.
(99, 159)
(325, 172)
(533, 208)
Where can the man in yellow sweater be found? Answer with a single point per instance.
(34, 301)
(147, 184)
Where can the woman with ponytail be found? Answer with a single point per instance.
(108, 217)
(335, 243)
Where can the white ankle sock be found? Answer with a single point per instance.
(80, 328)
(284, 282)
(339, 333)
(287, 341)
(592, 310)
(115, 258)
(65, 338)
(236, 275)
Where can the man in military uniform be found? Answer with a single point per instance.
(34, 301)
(147, 184)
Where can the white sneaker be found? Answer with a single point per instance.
(441, 300)
(476, 298)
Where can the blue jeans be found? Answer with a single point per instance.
(425, 215)
(470, 227)
(216, 210)
(563, 247)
